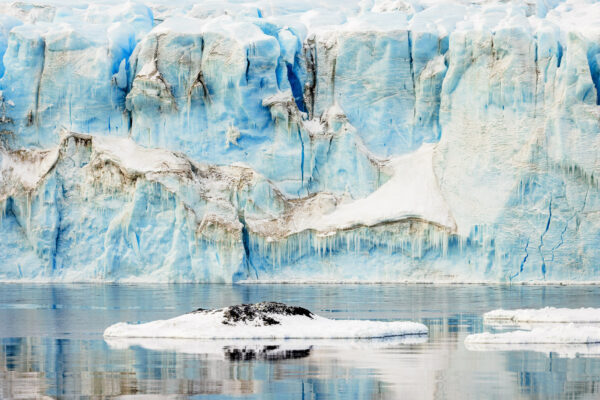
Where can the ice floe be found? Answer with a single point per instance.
(559, 334)
(266, 320)
(543, 315)
(564, 331)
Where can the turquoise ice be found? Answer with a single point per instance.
(376, 140)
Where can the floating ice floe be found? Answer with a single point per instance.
(557, 334)
(266, 320)
(563, 331)
(543, 315)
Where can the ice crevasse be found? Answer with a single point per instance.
(372, 140)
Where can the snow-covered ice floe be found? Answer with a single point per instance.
(564, 331)
(557, 334)
(560, 350)
(543, 315)
(266, 320)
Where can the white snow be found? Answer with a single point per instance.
(381, 15)
(563, 334)
(568, 332)
(411, 192)
(183, 25)
(577, 16)
(137, 159)
(26, 167)
(544, 315)
(210, 326)
(149, 70)
(243, 32)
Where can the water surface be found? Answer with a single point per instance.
(52, 345)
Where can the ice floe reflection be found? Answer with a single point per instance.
(551, 350)
(245, 350)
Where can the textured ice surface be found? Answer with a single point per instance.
(560, 334)
(372, 140)
(262, 321)
(544, 315)
(547, 327)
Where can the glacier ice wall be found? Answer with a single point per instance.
(378, 140)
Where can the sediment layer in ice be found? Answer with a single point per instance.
(265, 320)
(544, 315)
(564, 334)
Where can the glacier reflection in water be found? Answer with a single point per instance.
(51, 345)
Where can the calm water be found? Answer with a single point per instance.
(52, 345)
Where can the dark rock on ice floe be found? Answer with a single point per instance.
(271, 353)
(263, 311)
(258, 312)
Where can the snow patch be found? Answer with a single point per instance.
(24, 169)
(411, 192)
(137, 159)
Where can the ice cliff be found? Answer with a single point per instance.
(377, 140)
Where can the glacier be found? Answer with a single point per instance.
(363, 141)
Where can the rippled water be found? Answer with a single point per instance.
(52, 345)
